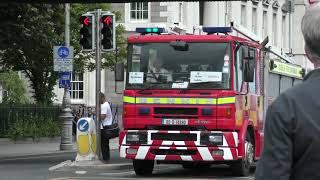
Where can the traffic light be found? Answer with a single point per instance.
(108, 41)
(87, 32)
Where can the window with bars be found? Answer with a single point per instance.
(254, 20)
(274, 28)
(243, 15)
(265, 24)
(139, 11)
(284, 32)
(180, 12)
(76, 89)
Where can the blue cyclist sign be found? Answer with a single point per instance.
(63, 58)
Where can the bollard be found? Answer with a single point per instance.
(86, 139)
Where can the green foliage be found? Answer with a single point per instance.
(15, 88)
(27, 35)
(34, 127)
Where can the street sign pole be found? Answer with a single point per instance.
(98, 83)
(66, 115)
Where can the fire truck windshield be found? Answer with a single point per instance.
(199, 66)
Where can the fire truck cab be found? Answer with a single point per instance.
(197, 100)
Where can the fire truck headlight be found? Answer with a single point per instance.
(136, 138)
(216, 139)
(133, 138)
(212, 139)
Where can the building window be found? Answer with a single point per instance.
(265, 24)
(76, 90)
(274, 28)
(284, 32)
(243, 15)
(254, 20)
(139, 11)
(180, 12)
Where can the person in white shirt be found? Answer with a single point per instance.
(156, 70)
(106, 120)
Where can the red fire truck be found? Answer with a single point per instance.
(197, 100)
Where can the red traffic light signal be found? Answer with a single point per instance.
(107, 20)
(87, 32)
(108, 31)
(85, 20)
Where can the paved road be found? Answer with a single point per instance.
(30, 168)
(164, 172)
(36, 168)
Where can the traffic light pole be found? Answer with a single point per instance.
(98, 83)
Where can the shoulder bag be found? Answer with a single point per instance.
(111, 131)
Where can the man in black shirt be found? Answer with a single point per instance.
(292, 128)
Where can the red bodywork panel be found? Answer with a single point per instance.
(218, 119)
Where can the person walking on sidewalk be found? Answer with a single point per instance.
(292, 126)
(106, 120)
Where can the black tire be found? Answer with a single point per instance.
(143, 167)
(242, 167)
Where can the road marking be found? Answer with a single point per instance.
(81, 172)
(64, 163)
(126, 172)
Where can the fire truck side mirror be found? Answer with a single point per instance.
(248, 64)
(248, 71)
(119, 71)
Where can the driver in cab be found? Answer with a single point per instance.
(156, 71)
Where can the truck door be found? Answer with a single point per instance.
(249, 103)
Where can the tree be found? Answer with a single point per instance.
(27, 34)
(15, 88)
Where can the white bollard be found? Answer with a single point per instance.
(86, 140)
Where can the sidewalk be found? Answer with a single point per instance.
(10, 149)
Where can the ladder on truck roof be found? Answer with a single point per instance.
(250, 35)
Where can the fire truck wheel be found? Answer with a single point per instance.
(242, 167)
(143, 167)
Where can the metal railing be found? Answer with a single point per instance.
(10, 113)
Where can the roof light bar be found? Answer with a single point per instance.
(150, 30)
(212, 30)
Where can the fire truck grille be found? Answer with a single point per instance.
(178, 111)
(174, 137)
(173, 152)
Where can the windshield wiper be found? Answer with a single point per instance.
(192, 85)
(154, 84)
(150, 87)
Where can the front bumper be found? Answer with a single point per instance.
(169, 150)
